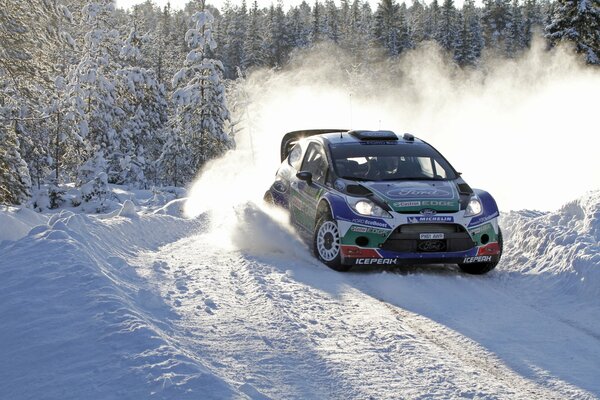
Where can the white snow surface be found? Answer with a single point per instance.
(142, 303)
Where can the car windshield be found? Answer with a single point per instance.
(371, 162)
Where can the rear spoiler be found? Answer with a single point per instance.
(291, 138)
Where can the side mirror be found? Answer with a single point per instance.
(305, 176)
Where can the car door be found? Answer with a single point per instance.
(304, 195)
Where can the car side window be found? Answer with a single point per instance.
(295, 157)
(315, 162)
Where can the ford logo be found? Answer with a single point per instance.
(431, 245)
(425, 192)
(428, 211)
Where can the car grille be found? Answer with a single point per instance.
(406, 238)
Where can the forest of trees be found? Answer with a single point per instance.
(92, 95)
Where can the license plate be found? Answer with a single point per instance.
(431, 236)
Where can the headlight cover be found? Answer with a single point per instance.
(367, 207)
(474, 207)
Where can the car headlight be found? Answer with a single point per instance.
(474, 207)
(368, 208)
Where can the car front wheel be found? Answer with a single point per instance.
(327, 243)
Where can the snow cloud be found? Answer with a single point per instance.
(524, 129)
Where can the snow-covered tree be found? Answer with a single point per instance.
(331, 22)
(174, 165)
(495, 19)
(200, 96)
(276, 44)
(143, 102)
(15, 182)
(92, 88)
(432, 20)
(446, 34)
(469, 42)
(514, 35)
(578, 22)
(299, 25)
(417, 19)
(386, 30)
(253, 54)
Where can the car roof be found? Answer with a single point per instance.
(365, 136)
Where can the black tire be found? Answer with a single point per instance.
(326, 243)
(483, 268)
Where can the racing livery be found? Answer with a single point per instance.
(376, 198)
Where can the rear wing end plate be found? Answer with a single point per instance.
(291, 138)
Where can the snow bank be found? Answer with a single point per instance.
(78, 322)
(15, 223)
(562, 245)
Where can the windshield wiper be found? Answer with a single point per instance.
(414, 179)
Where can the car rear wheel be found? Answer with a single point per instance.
(483, 268)
(327, 243)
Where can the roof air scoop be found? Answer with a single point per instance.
(374, 135)
(408, 137)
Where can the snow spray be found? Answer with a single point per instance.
(524, 129)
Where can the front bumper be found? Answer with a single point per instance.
(354, 255)
(367, 242)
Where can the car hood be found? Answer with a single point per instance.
(414, 196)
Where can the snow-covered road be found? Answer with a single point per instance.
(147, 305)
(289, 328)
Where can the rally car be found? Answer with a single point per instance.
(377, 198)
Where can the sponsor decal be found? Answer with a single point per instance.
(423, 192)
(433, 218)
(477, 259)
(431, 236)
(382, 232)
(490, 248)
(378, 261)
(370, 222)
(481, 220)
(364, 229)
(407, 204)
(355, 251)
(438, 203)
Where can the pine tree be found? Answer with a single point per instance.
(174, 165)
(578, 22)
(495, 20)
(446, 34)
(317, 22)
(142, 101)
(276, 43)
(432, 20)
(532, 20)
(514, 34)
(417, 21)
(331, 21)
(15, 182)
(92, 88)
(404, 29)
(470, 41)
(253, 54)
(201, 108)
(386, 31)
(298, 21)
